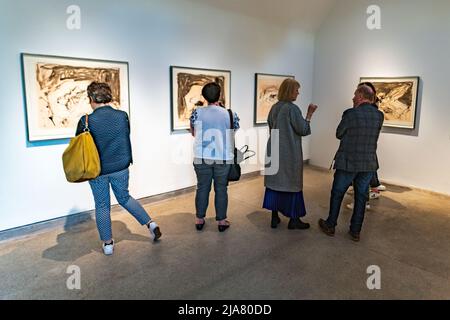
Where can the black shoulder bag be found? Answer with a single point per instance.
(239, 155)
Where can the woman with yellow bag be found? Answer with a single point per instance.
(110, 129)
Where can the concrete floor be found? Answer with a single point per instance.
(406, 234)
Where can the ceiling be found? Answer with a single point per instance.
(306, 14)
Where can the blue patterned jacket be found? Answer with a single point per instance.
(110, 129)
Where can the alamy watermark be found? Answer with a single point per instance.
(73, 22)
(74, 280)
(374, 19)
(374, 280)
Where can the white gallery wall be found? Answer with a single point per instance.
(151, 36)
(414, 40)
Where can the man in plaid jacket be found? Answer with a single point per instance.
(356, 159)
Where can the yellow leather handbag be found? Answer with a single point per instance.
(81, 161)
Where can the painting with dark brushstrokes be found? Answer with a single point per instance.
(56, 95)
(266, 95)
(187, 84)
(397, 99)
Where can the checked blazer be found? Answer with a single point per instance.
(358, 131)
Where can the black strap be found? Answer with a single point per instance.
(246, 151)
(243, 152)
(232, 133)
(231, 119)
(244, 147)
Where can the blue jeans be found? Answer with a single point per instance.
(206, 173)
(342, 180)
(100, 190)
(374, 182)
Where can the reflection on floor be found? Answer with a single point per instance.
(406, 233)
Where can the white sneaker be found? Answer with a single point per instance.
(155, 232)
(351, 205)
(381, 188)
(108, 249)
(374, 195)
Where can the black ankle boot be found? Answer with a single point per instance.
(297, 224)
(292, 224)
(302, 225)
(275, 220)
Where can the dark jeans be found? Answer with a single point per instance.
(342, 180)
(374, 182)
(206, 173)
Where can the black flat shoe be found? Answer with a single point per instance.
(199, 226)
(302, 225)
(223, 227)
(275, 222)
(297, 224)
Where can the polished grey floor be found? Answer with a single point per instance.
(406, 234)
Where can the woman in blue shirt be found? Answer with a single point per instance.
(213, 154)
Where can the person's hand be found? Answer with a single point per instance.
(311, 109)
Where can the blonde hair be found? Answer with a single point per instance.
(287, 89)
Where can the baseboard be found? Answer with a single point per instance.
(77, 218)
(44, 226)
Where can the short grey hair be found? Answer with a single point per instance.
(366, 92)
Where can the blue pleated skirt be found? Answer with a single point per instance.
(290, 204)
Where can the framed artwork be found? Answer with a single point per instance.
(186, 92)
(397, 100)
(56, 97)
(266, 95)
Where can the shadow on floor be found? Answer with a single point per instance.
(80, 240)
(396, 189)
(387, 203)
(261, 219)
(384, 201)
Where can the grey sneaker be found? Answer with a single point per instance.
(108, 249)
(374, 195)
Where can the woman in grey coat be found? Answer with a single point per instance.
(283, 177)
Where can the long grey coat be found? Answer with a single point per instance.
(287, 118)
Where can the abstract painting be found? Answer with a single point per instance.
(266, 95)
(55, 89)
(397, 100)
(186, 91)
